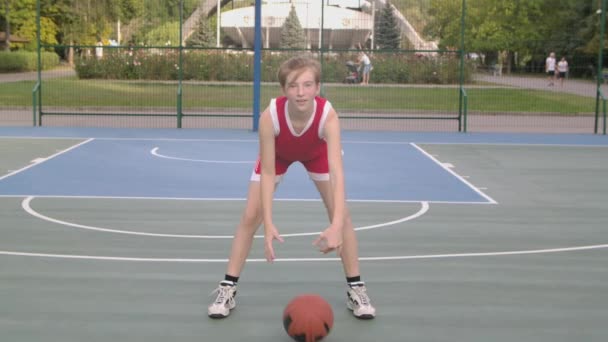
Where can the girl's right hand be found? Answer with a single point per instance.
(270, 234)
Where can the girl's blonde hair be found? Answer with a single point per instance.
(299, 64)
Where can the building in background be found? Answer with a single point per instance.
(346, 24)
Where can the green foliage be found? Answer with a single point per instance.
(21, 61)
(292, 34)
(388, 34)
(203, 36)
(529, 29)
(212, 65)
(444, 21)
(159, 13)
(85, 22)
(164, 35)
(419, 69)
(415, 11)
(127, 10)
(129, 64)
(23, 23)
(584, 23)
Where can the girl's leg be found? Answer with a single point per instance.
(357, 299)
(241, 246)
(350, 248)
(243, 237)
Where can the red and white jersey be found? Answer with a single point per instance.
(303, 146)
(308, 147)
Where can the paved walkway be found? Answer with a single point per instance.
(63, 71)
(578, 87)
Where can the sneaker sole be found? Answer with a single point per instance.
(364, 316)
(217, 316)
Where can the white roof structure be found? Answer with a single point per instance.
(346, 23)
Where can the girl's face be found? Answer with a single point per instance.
(300, 90)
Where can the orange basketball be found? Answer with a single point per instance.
(308, 318)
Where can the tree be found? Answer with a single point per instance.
(585, 21)
(494, 28)
(166, 34)
(292, 34)
(444, 21)
(529, 28)
(22, 22)
(204, 36)
(7, 25)
(388, 34)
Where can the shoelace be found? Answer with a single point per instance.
(223, 293)
(361, 292)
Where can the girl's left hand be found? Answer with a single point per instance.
(330, 239)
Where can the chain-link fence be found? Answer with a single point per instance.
(194, 66)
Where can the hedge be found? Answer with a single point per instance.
(21, 61)
(212, 65)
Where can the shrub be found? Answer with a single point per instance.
(20, 61)
(217, 65)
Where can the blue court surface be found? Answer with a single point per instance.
(204, 164)
(221, 169)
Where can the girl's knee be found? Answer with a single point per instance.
(252, 217)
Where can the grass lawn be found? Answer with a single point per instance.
(73, 93)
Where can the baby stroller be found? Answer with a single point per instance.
(353, 73)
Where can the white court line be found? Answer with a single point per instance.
(42, 160)
(278, 199)
(490, 199)
(387, 258)
(513, 144)
(346, 141)
(154, 152)
(25, 204)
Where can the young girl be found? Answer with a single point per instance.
(562, 69)
(366, 65)
(299, 126)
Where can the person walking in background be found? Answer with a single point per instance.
(366, 66)
(99, 49)
(562, 70)
(550, 68)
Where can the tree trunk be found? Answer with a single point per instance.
(71, 54)
(7, 46)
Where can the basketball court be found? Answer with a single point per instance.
(122, 235)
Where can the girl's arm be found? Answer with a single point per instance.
(267, 176)
(267, 182)
(336, 169)
(331, 238)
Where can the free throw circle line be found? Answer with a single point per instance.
(25, 204)
(154, 152)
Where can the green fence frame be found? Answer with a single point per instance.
(179, 115)
(600, 77)
(603, 98)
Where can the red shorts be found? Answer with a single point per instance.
(318, 168)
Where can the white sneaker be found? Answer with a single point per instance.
(224, 302)
(358, 301)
